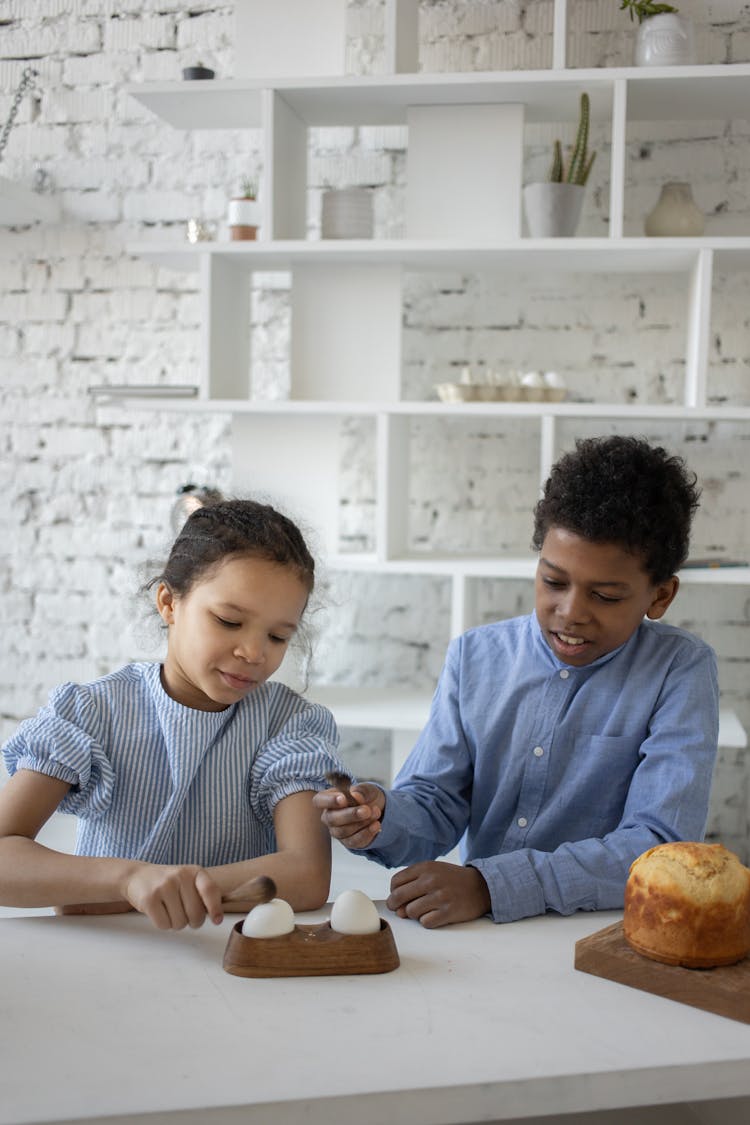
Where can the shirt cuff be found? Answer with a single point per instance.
(393, 841)
(514, 888)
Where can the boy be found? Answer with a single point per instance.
(561, 745)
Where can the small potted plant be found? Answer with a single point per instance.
(664, 37)
(553, 207)
(244, 212)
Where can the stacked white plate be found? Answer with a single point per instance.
(346, 213)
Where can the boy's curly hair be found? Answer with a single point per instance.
(623, 490)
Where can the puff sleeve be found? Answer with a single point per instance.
(63, 740)
(296, 756)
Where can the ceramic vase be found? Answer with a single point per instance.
(675, 214)
(665, 40)
(553, 210)
(244, 218)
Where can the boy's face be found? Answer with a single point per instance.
(591, 597)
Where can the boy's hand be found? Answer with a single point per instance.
(356, 826)
(437, 894)
(174, 897)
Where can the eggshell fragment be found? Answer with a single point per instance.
(269, 919)
(354, 913)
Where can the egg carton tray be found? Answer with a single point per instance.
(310, 951)
(487, 392)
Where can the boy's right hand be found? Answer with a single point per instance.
(356, 826)
(174, 896)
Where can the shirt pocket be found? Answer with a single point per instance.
(605, 770)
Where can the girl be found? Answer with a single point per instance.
(192, 777)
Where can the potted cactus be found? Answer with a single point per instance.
(553, 207)
(244, 212)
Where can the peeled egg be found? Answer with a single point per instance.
(354, 913)
(269, 919)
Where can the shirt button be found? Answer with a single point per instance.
(564, 674)
(538, 751)
(522, 822)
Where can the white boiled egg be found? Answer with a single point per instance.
(354, 913)
(269, 919)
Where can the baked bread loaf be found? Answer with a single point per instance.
(688, 904)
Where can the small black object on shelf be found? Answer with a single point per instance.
(193, 73)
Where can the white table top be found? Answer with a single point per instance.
(108, 1017)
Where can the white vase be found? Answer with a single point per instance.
(675, 214)
(665, 40)
(243, 216)
(553, 210)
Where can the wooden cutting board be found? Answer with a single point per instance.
(724, 990)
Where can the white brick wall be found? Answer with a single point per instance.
(87, 494)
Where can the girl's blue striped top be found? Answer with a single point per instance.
(157, 781)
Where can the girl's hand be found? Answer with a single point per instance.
(437, 894)
(174, 897)
(356, 826)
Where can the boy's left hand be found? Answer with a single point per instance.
(437, 894)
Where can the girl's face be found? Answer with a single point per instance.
(591, 597)
(230, 632)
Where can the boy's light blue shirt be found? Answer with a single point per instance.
(557, 777)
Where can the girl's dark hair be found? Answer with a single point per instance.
(234, 528)
(623, 490)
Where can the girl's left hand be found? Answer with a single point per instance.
(437, 894)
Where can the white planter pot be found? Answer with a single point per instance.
(665, 40)
(244, 217)
(553, 210)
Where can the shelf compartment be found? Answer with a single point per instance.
(286, 456)
(334, 310)
(713, 92)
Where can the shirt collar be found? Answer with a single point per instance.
(550, 658)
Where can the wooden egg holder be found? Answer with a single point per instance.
(311, 951)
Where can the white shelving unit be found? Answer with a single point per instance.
(333, 375)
